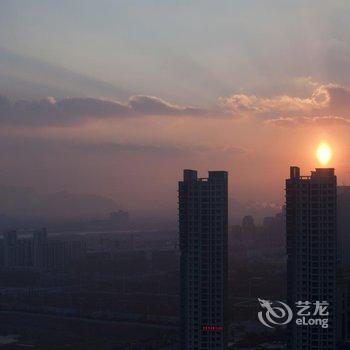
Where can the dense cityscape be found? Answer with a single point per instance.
(112, 271)
(101, 281)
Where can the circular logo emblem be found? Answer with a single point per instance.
(276, 313)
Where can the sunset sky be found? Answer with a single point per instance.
(117, 97)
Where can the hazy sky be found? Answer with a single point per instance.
(117, 97)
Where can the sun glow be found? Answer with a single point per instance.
(324, 153)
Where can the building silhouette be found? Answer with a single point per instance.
(344, 225)
(311, 225)
(9, 250)
(249, 229)
(39, 245)
(343, 285)
(39, 252)
(203, 225)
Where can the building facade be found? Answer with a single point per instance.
(203, 225)
(39, 252)
(344, 226)
(311, 225)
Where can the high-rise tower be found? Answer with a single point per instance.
(311, 224)
(203, 242)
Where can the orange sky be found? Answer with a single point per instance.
(116, 98)
(138, 160)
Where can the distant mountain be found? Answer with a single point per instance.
(20, 202)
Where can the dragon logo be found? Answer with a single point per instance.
(275, 313)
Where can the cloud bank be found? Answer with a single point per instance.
(50, 111)
(326, 105)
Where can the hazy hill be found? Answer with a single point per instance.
(20, 202)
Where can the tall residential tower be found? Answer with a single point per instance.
(311, 223)
(203, 221)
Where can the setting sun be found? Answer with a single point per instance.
(324, 153)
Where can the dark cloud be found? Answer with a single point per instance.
(91, 107)
(155, 106)
(50, 111)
